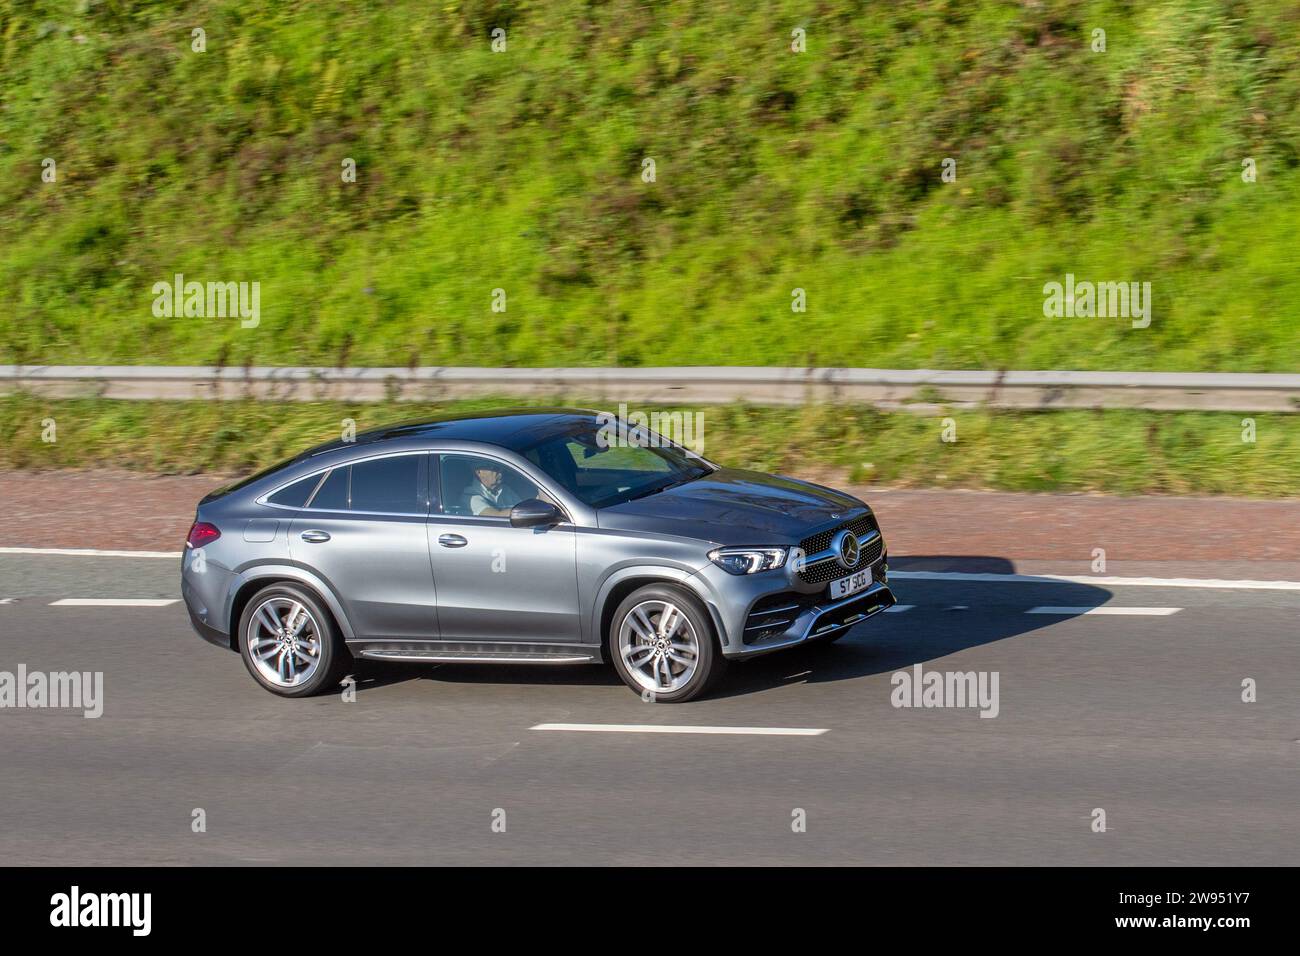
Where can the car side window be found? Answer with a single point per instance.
(333, 492)
(387, 485)
(475, 485)
(392, 485)
(295, 495)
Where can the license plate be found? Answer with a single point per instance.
(850, 584)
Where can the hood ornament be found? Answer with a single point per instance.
(847, 548)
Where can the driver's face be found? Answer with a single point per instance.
(490, 477)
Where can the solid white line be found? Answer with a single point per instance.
(1107, 609)
(681, 729)
(92, 553)
(113, 602)
(1090, 579)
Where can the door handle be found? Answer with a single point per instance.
(452, 540)
(315, 537)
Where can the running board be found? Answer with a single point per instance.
(451, 652)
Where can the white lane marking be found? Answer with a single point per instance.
(92, 553)
(6, 600)
(113, 602)
(1244, 585)
(682, 729)
(899, 608)
(1107, 609)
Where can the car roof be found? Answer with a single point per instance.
(516, 429)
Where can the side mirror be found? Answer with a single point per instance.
(533, 512)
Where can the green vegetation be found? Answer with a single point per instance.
(1119, 452)
(521, 170)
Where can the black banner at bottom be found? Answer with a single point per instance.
(314, 905)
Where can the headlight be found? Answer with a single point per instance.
(748, 560)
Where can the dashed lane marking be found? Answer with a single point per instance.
(683, 729)
(114, 602)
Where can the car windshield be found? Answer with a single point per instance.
(604, 465)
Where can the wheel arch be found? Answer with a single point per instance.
(249, 583)
(622, 583)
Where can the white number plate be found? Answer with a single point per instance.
(852, 584)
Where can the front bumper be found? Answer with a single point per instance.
(822, 619)
(760, 613)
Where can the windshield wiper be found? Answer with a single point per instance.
(647, 492)
(655, 489)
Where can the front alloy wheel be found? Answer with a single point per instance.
(663, 644)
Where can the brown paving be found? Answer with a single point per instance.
(121, 510)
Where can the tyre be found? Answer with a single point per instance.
(290, 643)
(663, 644)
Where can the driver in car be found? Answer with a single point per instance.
(489, 496)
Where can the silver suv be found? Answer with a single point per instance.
(538, 536)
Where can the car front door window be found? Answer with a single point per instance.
(497, 582)
(475, 486)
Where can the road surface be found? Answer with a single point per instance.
(1139, 715)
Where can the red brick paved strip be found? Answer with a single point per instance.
(120, 510)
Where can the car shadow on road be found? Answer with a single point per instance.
(945, 616)
(936, 617)
(373, 675)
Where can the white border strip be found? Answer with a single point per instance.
(681, 729)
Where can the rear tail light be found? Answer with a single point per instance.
(202, 533)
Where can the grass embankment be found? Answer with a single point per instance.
(775, 170)
(1118, 452)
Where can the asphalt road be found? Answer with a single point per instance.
(1139, 715)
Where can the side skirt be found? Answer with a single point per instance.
(469, 652)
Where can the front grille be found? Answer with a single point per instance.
(829, 570)
(862, 525)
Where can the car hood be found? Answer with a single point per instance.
(734, 507)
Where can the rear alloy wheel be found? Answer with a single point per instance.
(289, 642)
(663, 645)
